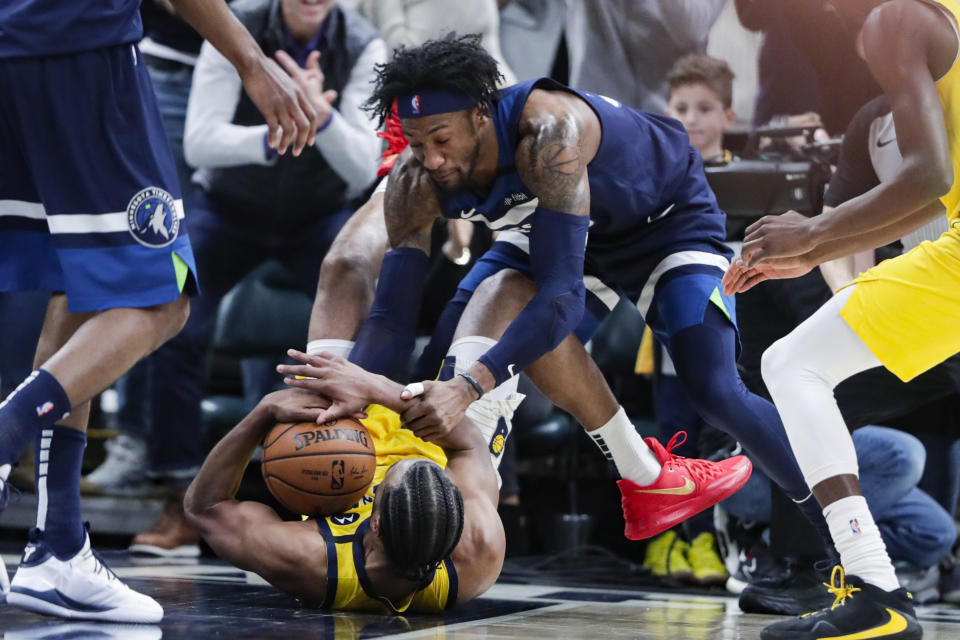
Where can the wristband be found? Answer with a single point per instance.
(473, 383)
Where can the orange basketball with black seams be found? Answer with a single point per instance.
(318, 469)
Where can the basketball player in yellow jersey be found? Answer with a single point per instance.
(902, 314)
(425, 537)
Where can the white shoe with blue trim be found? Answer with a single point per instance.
(81, 587)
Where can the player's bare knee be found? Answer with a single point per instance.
(347, 266)
(171, 317)
(507, 284)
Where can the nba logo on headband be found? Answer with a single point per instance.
(429, 102)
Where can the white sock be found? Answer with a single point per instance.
(858, 541)
(621, 444)
(330, 345)
(493, 413)
(468, 350)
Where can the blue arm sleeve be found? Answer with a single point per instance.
(385, 341)
(557, 247)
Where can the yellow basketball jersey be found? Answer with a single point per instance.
(949, 89)
(348, 587)
(905, 309)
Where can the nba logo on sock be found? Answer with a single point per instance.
(44, 409)
(855, 526)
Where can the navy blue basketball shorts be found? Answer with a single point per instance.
(89, 200)
(672, 288)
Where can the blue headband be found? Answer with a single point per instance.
(430, 102)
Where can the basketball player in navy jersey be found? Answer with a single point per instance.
(544, 164)
(90, 210)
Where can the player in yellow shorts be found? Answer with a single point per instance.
(902, 314)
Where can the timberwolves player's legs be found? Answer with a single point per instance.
(93, 214)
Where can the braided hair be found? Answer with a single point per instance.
(421, 519)
(458, 63)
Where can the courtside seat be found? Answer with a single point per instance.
(263, 315)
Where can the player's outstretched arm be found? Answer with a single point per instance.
(907, 45)
(292, 119)
(552, 156)
(247, 534)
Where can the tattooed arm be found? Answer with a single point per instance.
(559, 135)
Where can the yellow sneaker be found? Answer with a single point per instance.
(666, 557)
(707, 567)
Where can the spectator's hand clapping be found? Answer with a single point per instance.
(310, 80)
(291, 118)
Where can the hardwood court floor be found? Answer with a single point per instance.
(209, 599)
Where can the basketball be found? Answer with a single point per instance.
(318, 470)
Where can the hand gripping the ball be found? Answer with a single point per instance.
(343, 383)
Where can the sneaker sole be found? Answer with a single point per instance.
(643, 528)
(183, 551)
(40, 605)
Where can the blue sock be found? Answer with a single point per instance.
(38, 403)
(59, 454)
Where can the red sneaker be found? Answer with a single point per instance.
(686, 487)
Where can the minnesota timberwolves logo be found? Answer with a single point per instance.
(152, 217)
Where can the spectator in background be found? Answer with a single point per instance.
(808, 62)
(409, 23)
(740, 48)
(623, 48)
(531, 32)
(255, 206)
(701, 97)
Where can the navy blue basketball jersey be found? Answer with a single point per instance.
(648, 192)
(51, 27)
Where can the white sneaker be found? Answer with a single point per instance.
(81, 587)
(123, 471)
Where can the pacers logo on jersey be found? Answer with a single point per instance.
(499, 438)
(152, 217)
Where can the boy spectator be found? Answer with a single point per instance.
(701, 97)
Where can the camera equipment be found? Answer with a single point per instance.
(779, 169)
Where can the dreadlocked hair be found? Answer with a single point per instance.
(421, 521)
(458, 63)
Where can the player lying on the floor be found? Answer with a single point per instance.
(425, 536)
(422, 539)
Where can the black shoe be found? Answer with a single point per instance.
(859, 610)
(790, 590)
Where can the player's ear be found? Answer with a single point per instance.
(479, 115)
(375, 522)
